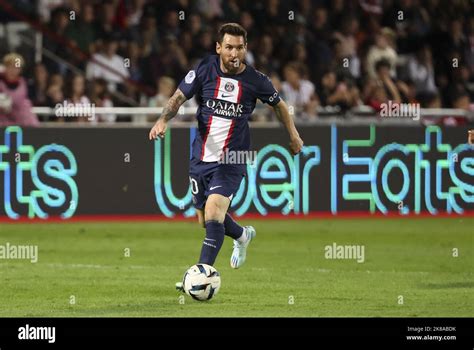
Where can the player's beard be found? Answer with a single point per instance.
(233, 66)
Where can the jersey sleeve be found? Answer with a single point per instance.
(191, 83)
(266, 92)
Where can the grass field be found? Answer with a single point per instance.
(286, 273)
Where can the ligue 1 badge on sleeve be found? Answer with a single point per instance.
(190, 77)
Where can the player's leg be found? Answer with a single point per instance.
(232, 228)
(214, 212)
(226, 181)
(201, 218)
(241, 236)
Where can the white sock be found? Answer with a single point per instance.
(243, 238)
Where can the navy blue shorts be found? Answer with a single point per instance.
(208, 178)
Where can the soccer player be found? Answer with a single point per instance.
(226, 89)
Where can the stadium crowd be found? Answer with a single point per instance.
(335, 53)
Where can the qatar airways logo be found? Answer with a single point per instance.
(226, 109)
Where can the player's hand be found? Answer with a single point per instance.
(159, 129)
(470, 138)
(296, 145)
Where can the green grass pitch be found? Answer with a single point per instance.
(286, 273)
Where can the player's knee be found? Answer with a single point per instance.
(214, 212)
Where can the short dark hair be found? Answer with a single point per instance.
(231, 29)
(382, 63)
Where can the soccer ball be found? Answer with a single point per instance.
(201, 282)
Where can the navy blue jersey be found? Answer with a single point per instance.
(225, 104)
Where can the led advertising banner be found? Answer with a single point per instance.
(66, 172)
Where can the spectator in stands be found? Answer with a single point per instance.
(57, 43)
(170, 25)
(166, 86)
(100, 97)
(457, 40)
(38, 86)
(205, 45)
(470, 47)
(383, 88)
(300, 55)
(194, 25)
(408, 91)
(346, 46)
(108, 65)
(135, 12)
(343, 94)
(54, 95)
(107, 24)
(186, 44)
(57, 80)
(75, 94)
(320, 53)
(460, 100)
(300, 93)
(430, 100)
(82, 31)
(420, 70)
(231, 10)
(246, 20)
(265, 61)
(15, 107)
(376, 96)
(135, 61)
(209, 9)
(172, 60)
(319, 24)
(146, 35)
(382, 50)
(272, 18)
(415, 23)
(338, 12)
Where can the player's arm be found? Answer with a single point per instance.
(470, 138)
(170, 110)
(282, 113)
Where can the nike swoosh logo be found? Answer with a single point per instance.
(214, 187)
(224, 96)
